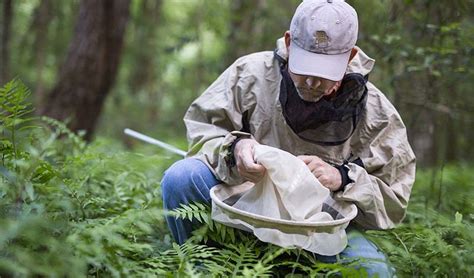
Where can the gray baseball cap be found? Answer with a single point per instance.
(323, 33)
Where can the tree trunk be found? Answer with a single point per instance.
(143, 68)
(245, 28)
(42, 18)
(5, 26)
(91, 65)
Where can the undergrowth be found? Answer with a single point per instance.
(68, 208)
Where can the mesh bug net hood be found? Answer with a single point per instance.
(330, 121)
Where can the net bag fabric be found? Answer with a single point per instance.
(289, 207)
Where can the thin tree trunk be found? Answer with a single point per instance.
(42, 17)
(143, 70)
(5, 27)
(91, 65)
(245, 28)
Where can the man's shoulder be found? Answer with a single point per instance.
(256, 57)
(377, 99)
(379, 110)
(256, 61)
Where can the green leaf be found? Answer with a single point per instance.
(458, 217)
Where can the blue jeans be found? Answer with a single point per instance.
(190, 180)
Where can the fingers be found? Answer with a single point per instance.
(310, 158)
(306, 158)
(313, 162)
(253, 177)
(318, 172)
(246, 159)
(326, 174)
(251, 171)
(245, 163)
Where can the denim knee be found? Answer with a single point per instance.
(174, 179)
(371, 258)
(185, 181)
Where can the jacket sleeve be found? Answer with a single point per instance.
(214, 121)
(381, 188)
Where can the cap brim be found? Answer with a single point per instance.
(327, 66)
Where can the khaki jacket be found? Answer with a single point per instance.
(249, 91)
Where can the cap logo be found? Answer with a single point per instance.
(321, 39)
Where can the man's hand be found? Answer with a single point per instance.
(246, 166)
(327, 175)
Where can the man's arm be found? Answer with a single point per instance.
(381, 186)
(215, 119)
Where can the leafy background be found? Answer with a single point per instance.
(71, 207)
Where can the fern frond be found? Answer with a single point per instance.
(240, 256)
(60, 128)
(197, 211)
(190, 258)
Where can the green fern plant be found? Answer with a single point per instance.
(68, 208)
(245, 256)
(210, 230)
(14, 116)
(70, 205)
(430, 249)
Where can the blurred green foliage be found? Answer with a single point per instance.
(96, 209)
(72, 209)
(175, 49)
(68, 205)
